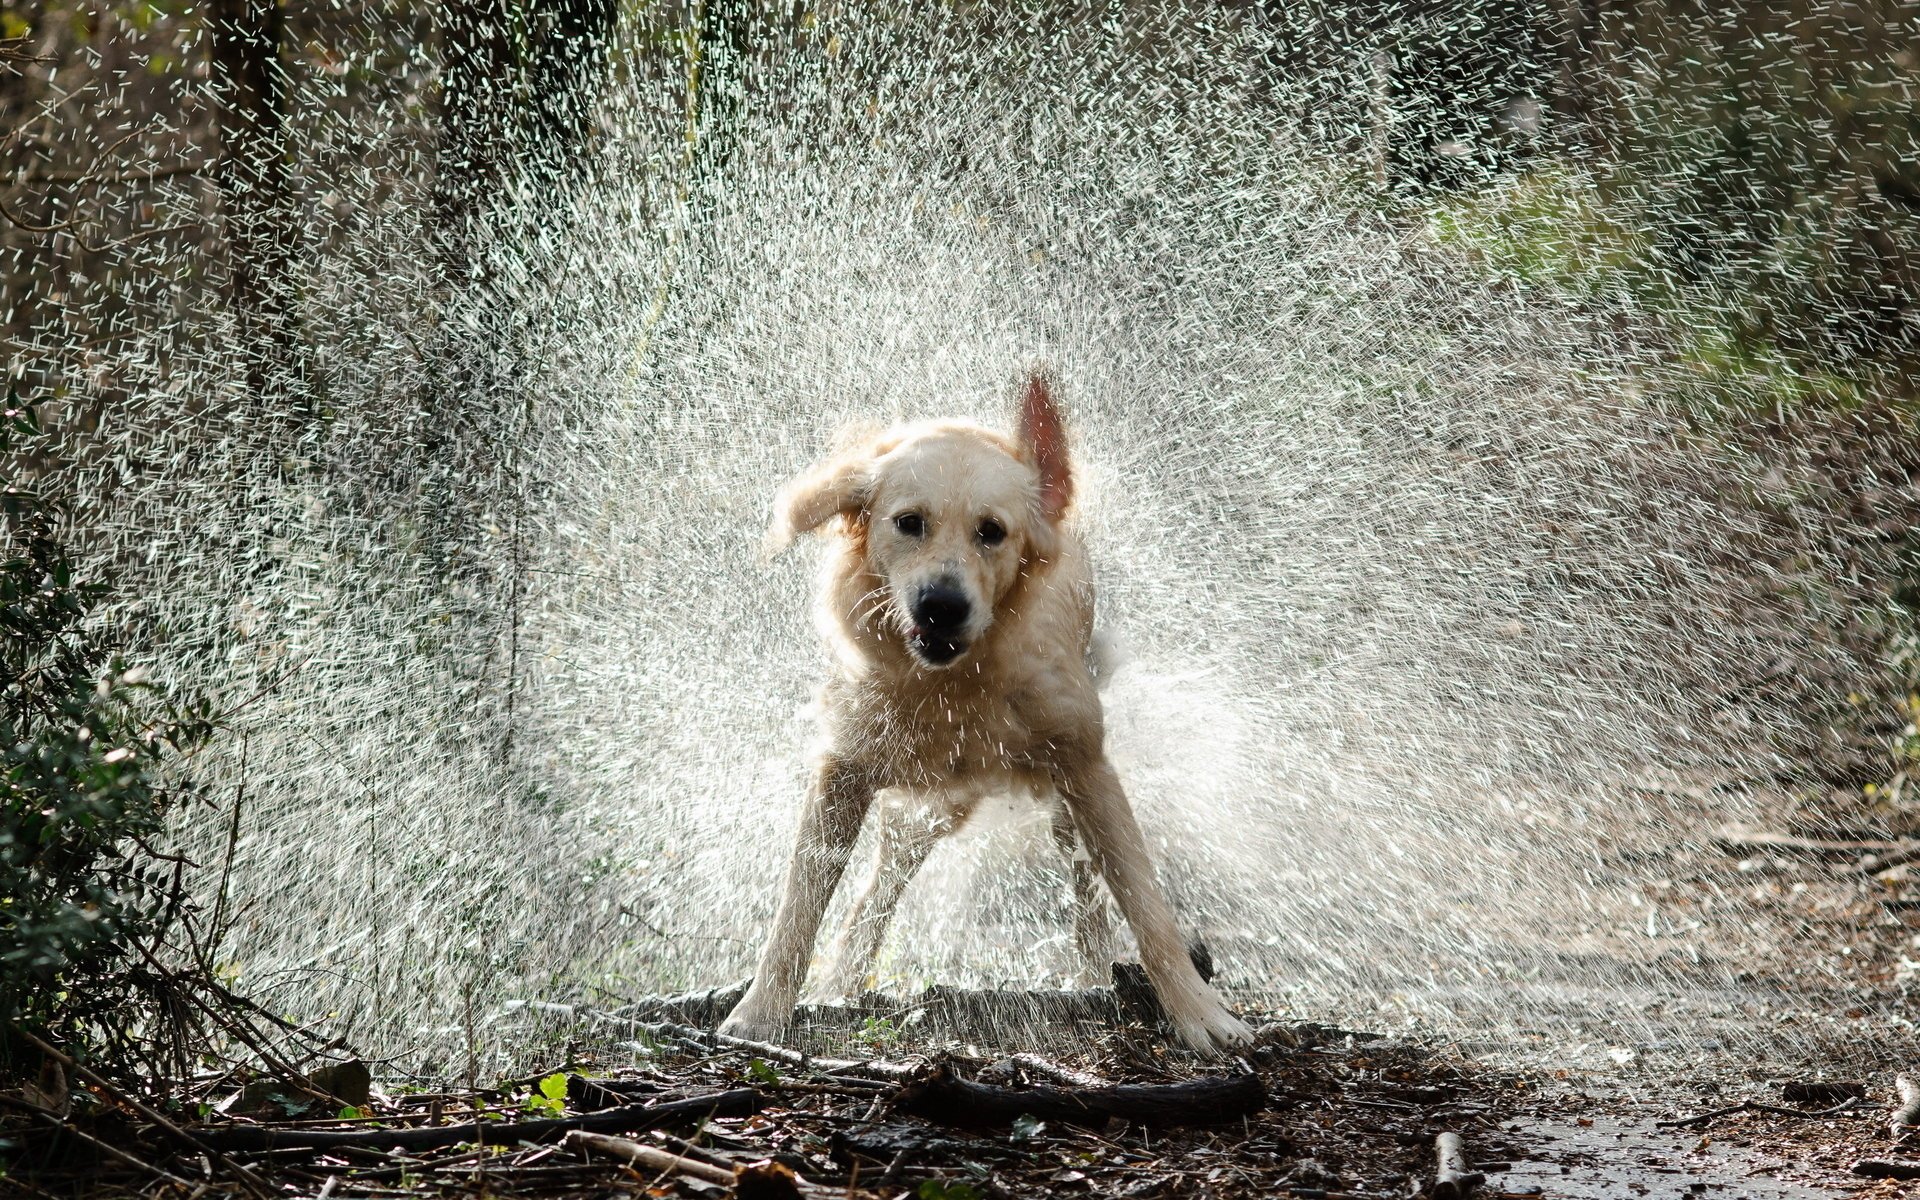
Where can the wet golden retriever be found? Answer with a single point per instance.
(959, 610)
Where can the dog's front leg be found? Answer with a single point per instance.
(1099, 806)
(837, 803)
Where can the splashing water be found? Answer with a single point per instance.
(1430, 608)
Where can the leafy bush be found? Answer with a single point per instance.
(86, 786)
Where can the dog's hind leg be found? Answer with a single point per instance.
(907, 834)
(837, 803)
(1093, 934)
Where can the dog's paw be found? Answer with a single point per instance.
(1212, 1031)
(749, 1028)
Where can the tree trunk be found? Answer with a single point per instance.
(252, 174)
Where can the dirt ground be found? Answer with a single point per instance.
(1784, 1088)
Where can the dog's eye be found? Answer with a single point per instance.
(991, 532)
(911, 524)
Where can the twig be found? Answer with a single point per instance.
(631, 1118)
(849, 1087)
(466, 1024)
(266, 689)
(30, 227)
(128, 175)
(240, 1030)
(215, 925)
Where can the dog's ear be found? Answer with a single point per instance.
(839, 485)
(1043, 443)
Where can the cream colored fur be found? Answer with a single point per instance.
(1015, 712)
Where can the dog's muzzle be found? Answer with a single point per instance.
(940, 614)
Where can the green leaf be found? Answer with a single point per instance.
(760, 1072)
(349, 1113)
(554, 1086)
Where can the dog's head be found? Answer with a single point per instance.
(945, 516)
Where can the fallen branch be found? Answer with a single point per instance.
(1756, 1107)
(946, 1098)
(737, 1102)
(1907, 1117)
(1451, 1179)
(1739, 841)
(761, 1180)
(584, 1143)
(1906, 853)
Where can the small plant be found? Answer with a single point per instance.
(549, 1095)
(879, 1032)
(1027, 1127)
(760, 1072)
(942, 1189)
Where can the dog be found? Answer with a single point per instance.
(959, 610)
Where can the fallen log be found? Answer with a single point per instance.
(1906, 1118)
(868, 1069)
(1451, 1179)
(1820, 1091)
(738, 1102)
(946, 1011)
(1886, 1168)
(946, 1098)
(1017, 1067)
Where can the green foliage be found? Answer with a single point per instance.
(1027, 1127)
(760, 1072)
(1554, 228)
(550, 1095)
(879, 1032)
(941, 1189)
(85, 738)
(1778, 149)
(1548, 227)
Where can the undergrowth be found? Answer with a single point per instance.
(91, 745)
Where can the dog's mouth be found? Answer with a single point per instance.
(933, 648)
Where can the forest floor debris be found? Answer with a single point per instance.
(1334, 1114)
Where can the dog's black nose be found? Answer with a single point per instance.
(941, 610)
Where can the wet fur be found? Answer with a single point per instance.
(1017, 711)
